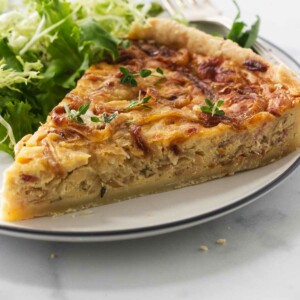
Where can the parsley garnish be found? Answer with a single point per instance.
(129, 78)
(213, 108)
(139, 103)
(104, 118)
(74, 115)
(245, 38)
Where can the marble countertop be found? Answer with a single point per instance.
(260, 259)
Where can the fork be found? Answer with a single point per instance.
(205, 16)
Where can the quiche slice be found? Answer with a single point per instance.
(119, 135)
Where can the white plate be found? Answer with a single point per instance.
(159, 213)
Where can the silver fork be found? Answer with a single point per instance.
(205, 16)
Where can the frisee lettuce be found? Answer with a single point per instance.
(9, 77)
(46, 46)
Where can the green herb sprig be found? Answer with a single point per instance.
(238, 34)
(128, 78)
(104, 118)
(213, 108)
(75, 115)
(141, 102)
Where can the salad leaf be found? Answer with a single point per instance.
(46, 46)
(13, 70)
(154, 10)
(116, 16)
(3, 5)
(99, 40)
(8, 56)
(7, 76)
(18, 115)
(238, 34)
(249, 37)
(15, 120)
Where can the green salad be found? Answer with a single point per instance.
(46, 45)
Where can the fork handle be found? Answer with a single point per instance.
(205, 10)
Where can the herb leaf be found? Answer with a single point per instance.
(95, 119)
(125, 71)
(83, 108)
(109, 118)
(129, 78)
(139, 103)
(145, 73)
(245, 39)
(213, 108)
(104, 118)
(74, 115)
(160, 71)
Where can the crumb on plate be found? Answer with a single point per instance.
(53, 255)
(221, 241)
(203, 248)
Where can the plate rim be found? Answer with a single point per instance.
(119, 234)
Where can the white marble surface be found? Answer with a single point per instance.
(260, 260)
